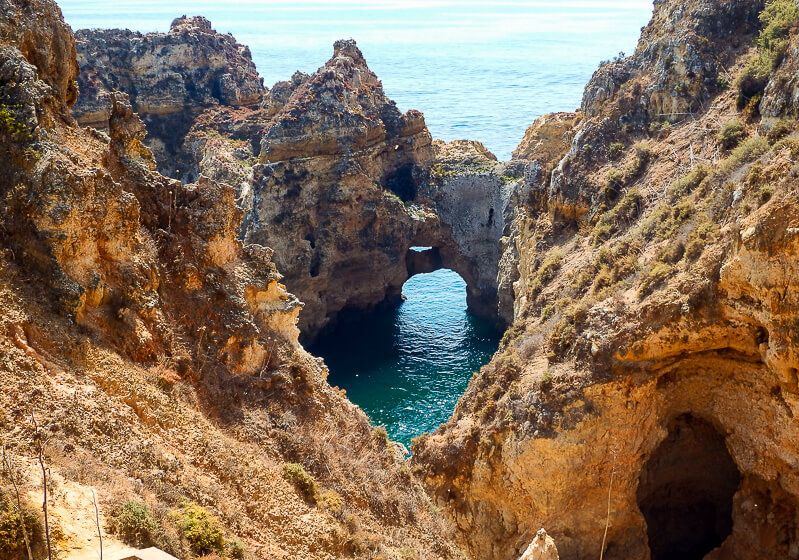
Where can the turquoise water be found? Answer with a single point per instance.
(407, 367)
(478, 70)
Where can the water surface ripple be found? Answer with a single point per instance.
(407, 367)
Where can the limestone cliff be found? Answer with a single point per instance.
(158, 354)
(329, 173)
(648, 385)
(171, 78)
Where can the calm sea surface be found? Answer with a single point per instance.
(478, 70)
(409, 366)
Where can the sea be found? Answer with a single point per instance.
(477, 70)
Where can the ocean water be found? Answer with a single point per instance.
(407, 367)
(477, 70)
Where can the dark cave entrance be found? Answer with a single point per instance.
(686, 489)
(402, 183)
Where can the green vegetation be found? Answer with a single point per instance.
(9, 123)
(620, 216)
(702, 234)
(731, 134)
(780, 130)
(655, 276)
(746, 152)
(686, 184)
(660, 127)
(15, 525)
(134, 524)
(331, 501)
(615, 149)
(234, 549)
(302, 480)
(791, 143)
(619, 178)
(778, 17)
(546, 271)
(200, 529)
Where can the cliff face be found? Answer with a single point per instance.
(329, 173)
(171, 78)
(157, 352)
(338, 182)
(648, 385)
(338, 167)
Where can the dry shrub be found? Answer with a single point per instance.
(15, 524)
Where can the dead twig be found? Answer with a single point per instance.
(607, 518)
(39, 443)
(97, 522)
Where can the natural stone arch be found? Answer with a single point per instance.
(436, 248)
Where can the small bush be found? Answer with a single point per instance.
(780, 130)
(134, 524)
(656, 275)
(686, 184)
(10, 125)
(615, 149)
(331, 501)
(764, 194)
(672, 253)
(302, 480)
(234, 549)
(546, 271)
(617, 179)
(731, 134)
(13, 523)
(700, 237)
(620, 216)
(200, 528)
(791, 143)
(746, 152)
(778, 17)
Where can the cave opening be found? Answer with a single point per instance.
(402, 183)
(686, 489)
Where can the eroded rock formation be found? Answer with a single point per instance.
(171, 78)
(157, 353)
(648, 383)
(643, 399)
(333, 178)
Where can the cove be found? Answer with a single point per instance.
(407, 366)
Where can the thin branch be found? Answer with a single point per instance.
(38, 439)
(607, 519)
(97, 522)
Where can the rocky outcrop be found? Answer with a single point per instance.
(338, 182)
(781, 94)
(676, 67)
(171, 78)
(332, 177)
(680, 63)
(339, 168)
(647, 387)
(157, 353)
(473, 196)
